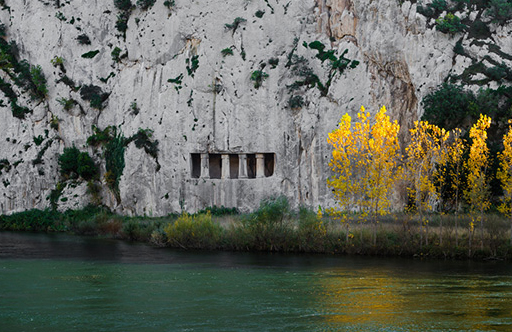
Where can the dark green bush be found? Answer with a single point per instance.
(142, 140)
(68, 104)
(3, 30)
(295, 102)
(227, 51)
(145, 4)
(479, 30)
(448, 106)
(83, 39)
(86, 169)
(500, 11)
(90, 54)
(122, 22)
(259, 13)
(19, 111)
(94, 95)
(116, 52)
(33, 220)
(123, 4)
(499, 72)
(101, 137)
(68, 162)
(236, 23)
(273, 62)
(192, 65)
(73, 163)
(219, 211)
(312, 233)
(169, 3)
(258, 77)
(267, 228)
(39, 81)
(38, 140)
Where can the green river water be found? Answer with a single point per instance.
(68, 283)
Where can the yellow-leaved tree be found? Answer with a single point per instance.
(477, 190)
(424, 165)
(365, 162)
(504, 175)
(452, 159)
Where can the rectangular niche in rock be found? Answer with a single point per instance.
(232, 165)
(269, 164)
(215, 165)
(195, 159)
(251, 166)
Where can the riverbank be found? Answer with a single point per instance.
(274, 228)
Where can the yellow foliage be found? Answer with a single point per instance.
(425, 163)
(478, 190)
(364, 161)
(504, 173)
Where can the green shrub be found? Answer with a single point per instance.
(479, 30)
(500, 11)
(101, 137)
(145, 4)
(83, 39)
(68, 162)
(122, 22)
(60, 16)
(138, 230)
(259, 13)
(94, 95)
(219, 211)
(33, 220)
(227, 51)
(432, 9)
(236, 23)
(116, 52)
(449, 24)
(57, 61)
(192, 65)
(142, 140)
(3, 30)
(295, 102)
(197, 231)
(38, 140)
(73, 163)
(86, 167)
(169, 3)
(273, 62)
(312, 232)
(448, 106)
(123, 4)
(114, 162)
(267, 228)
(41, 90)
(90, 54)
(68, 104)
(499, 72)
(258, 77)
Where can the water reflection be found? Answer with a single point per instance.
(380, 299)
(65, 283)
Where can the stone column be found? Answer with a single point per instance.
(205, 166)
(260, 165)
(242, 166)
(225, 167)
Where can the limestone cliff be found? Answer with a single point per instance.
(199, 80)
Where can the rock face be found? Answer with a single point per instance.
(213, 83)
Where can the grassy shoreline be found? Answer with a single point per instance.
(274, 228)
